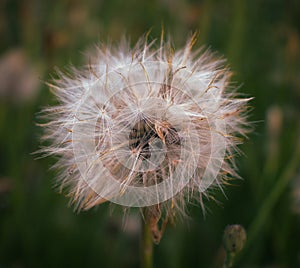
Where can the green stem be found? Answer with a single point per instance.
(147, 246)
(229, 260)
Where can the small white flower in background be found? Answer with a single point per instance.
(18, 78)
(145, 127)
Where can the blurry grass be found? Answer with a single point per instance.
(261, 40)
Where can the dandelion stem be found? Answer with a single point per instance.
(146, 245)
(229, 260)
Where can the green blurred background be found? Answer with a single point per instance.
(260, 39)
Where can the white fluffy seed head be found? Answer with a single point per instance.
(145, 127)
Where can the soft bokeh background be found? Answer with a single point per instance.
(260, 39)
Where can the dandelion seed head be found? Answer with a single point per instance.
(144, 127)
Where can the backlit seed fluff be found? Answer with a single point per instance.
(145, 127)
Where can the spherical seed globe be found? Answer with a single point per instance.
(145, 126)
